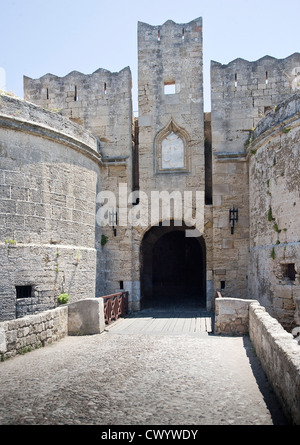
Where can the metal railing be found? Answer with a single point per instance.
(115, 306)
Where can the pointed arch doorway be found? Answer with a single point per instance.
(173, 268)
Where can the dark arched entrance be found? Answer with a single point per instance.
(173, 268)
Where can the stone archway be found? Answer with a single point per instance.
(173, 268)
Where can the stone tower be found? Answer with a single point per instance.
(171, 149)
(101, 102)
(170, 86)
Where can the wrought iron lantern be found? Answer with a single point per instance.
(113, 220)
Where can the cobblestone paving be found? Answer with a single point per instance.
(118, 378)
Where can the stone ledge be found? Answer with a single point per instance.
(83, 317)
(279, 354)
(32, 331)
(86, 317)
(232, 316)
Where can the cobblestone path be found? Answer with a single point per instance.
(139, 376)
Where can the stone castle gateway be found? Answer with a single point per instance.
(174, 204)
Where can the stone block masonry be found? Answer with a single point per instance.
(86, 317)
(100, 102)
(232, 316)
(33, 331)
(46, 270)
(171, 132)
(274, 179)
(242, 93)
(170, 56)
(279, 354)
(83, 317)
(49, 171)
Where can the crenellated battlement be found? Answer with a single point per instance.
(100, 101)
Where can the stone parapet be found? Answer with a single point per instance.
(33, 331)
(86, 317)
(17, 114)
(232, 316)
(279, 354)
(288, 109)
(277, 349)
(83, 317)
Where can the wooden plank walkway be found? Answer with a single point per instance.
(151, 321)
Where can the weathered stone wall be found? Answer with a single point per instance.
(274, 269)
(86, 317)
(82, 317)
(48, 177)
(162, 61)
(33, 331)
(279, 354)
(277, 349)
(102, 103)
(232, 316)
(230, 251)
(242, 93)
(170, 86)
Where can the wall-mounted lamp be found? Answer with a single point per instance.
(113, 220)
(233, 218)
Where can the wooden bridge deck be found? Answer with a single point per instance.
(151, 321)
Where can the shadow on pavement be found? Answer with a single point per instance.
(265, 387)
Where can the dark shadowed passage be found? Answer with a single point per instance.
(173, 268)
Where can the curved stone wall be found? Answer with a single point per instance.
(49, 170)
(274, 182)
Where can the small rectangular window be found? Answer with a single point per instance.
(121, 285)
(222, 284)
(23, 291)
(290, 271)
(170, 88)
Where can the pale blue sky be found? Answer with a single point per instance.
(59, 36)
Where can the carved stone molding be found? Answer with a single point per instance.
(171, 147)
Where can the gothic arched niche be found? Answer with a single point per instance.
(171, 149)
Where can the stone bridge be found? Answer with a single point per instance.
(154, 367)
